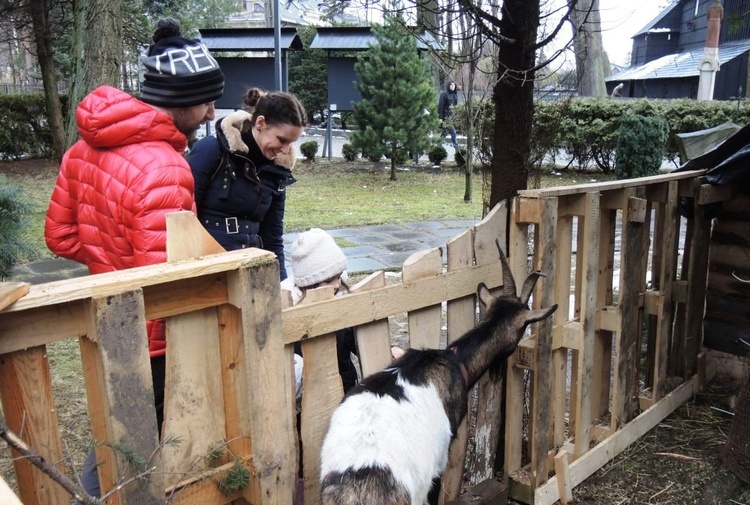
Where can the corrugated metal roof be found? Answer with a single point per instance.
(248, 39)
(658, 18)
(684, 64)
(359, 38)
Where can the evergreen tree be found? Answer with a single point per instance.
(399, 104)
(14, 242)
(308, 74)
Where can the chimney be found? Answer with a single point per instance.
(709, 63)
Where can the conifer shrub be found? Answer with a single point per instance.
(309, 149)
(349, 152)
(640, 145)
(14, 215)
(437, 154)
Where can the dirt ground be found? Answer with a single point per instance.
(677, 463)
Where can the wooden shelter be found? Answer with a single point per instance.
(629, 275)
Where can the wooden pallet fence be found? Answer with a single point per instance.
(623, 349)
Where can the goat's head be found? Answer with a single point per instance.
(509, 302)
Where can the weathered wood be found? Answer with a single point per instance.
(29, 410)
(322, 394)
(563, 269)
(256, 293)
(487, 492)
(424, 323)
(12, 291)
(589, 266)
(609, 185)
(203, 489)
(490, 386)
(604, 296)
(562, 473)
(461, 316)
(117, 372)
(373, 339)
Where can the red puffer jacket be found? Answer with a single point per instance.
(116, 186)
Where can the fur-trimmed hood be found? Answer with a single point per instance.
(234, 125)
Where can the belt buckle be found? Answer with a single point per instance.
(233, 226)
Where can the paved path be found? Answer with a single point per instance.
(367, 249)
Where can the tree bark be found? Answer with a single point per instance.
(45, 52)
(514, 99)
(97, 52)
(591, 66)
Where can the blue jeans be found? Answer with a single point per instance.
(452, 131)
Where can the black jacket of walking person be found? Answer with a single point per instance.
(448, 99)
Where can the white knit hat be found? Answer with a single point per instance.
(316, 258)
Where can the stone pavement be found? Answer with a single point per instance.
(367, 249)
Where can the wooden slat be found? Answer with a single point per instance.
(563, 269)
(424, 323)
(29, 410)
(489, 388)
(373, 339)
(203, 489)
(461, 315)
(117, 372)
(589, 265)
(628, 337)
(542, 385)
(711, 194)
(322, 394)
(604, 297)
(461, 312)
(12, 291)
(608, 186)
(256, 292)
(562, 472)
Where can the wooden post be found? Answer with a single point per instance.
(373, 339)
(424, 324)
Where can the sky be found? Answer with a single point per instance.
(621, 19)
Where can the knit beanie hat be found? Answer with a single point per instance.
(316, 258)
(180, 72)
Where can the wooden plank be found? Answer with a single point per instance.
(598, 456)
(697, 278)
(627, 364)
(194, 398)
(461, 316)
(187, 238)
(668, 254)
(542, 384)
(322, 394)
(373, 339)
(636, 212)
(256, 292)
(424, 323)
(563, 270)
(117, 372)
(529, 210)
(514, 388)
(604, 299)
(731, 254)
(29, 410)
(609, 185)
(7, 496)
(489, 387)
(712, 194)
(562, 472)
(12, 291)
(679, 291)
(588, 263)
(304, 321)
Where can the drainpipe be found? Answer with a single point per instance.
(709, 64)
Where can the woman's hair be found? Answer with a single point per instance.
(278, 107)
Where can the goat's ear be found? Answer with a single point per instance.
(532, 316)
(484, 295)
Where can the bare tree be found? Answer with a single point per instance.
(592, 64)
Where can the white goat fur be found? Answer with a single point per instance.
(361, 435)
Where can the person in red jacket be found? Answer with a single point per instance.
(127, 172)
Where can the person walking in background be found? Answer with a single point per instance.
(117, 183)
(448, 99)
(242, 173)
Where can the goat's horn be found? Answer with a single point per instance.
(509, 285)
(528, 285)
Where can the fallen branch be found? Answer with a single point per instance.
(75, 490)
(677, 456)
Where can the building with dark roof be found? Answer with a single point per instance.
(667, 52)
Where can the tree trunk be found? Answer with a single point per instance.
(590, 58)
(45, 52)
(97, 52)
(514, 99)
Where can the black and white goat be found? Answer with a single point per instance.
(390, 436)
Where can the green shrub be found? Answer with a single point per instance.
(309, 149)
(460, 156)
(437, 154)
(14, 215)
(640, 146)
(349, 152)
(402, 156)
(25, 131)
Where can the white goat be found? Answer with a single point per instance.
(389, 439)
